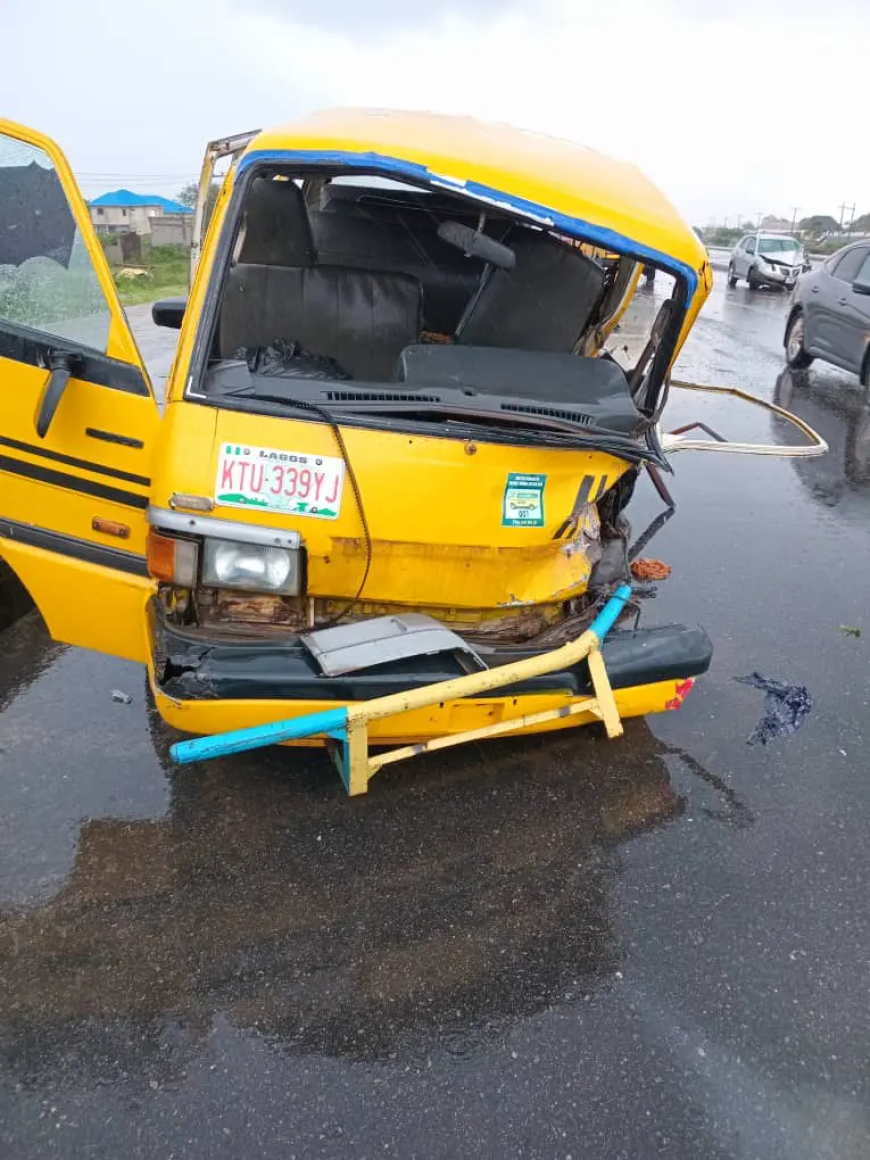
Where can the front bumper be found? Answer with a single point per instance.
(777, 278)
(210, 685)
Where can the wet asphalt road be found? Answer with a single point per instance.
(546, 948)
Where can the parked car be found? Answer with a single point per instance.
(830, 314)
(767, 260)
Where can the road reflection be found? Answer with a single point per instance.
(838, 409)
(468, 894)
(26, 652)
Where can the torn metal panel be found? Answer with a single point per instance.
(366, 644)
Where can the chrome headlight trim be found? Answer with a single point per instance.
(215, 528)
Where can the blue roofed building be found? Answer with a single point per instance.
(124, 210)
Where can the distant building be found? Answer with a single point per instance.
(123, 210)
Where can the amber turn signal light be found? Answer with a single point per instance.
(111, 528)
(172, 560)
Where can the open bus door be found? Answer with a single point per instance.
(219, 156)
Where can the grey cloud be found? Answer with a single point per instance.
(138, 119)
(373, 19)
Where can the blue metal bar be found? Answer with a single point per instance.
(609, 614)
(220, 744)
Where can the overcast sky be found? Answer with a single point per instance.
(729, 105)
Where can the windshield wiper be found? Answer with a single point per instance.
(464, 421)
(402, 407)
(479, 414)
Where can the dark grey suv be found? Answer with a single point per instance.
(829, 316)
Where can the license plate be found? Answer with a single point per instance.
(268, 479)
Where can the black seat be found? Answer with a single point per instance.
(408, 245)
(542, 304)
(360, 318)
(280, 288)
(277, 229)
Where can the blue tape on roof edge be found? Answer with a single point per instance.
(608, 239)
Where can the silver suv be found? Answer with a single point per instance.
(767, 260)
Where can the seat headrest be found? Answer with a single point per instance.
(277, 229)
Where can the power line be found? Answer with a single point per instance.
(94, 183)
(115, 173)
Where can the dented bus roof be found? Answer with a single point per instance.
(555, 182)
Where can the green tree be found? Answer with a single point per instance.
(818, 224)
(723, 236)
(188, 196)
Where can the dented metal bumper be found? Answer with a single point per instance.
(188, 667)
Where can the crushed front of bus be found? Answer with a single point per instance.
(404, 424)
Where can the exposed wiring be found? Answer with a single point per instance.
(334, 426)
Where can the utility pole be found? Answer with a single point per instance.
(760, 216)
(843, 209)
(794, 214)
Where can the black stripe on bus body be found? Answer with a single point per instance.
(57, 457)
(114, 437)
(72, 482)
(583, 493)
(602, 488)
(73, 547)
(24, 345)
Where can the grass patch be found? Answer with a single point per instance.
(167, 275)
(144, 290)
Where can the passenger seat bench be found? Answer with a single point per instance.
(360, 318)
(280, 287)
(447, 277)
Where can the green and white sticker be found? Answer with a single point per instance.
(523, 505)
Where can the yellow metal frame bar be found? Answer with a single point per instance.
(357, 766)
(345, 729)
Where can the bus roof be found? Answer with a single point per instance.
(552, 181)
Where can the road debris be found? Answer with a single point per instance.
(850, 630)
(121, 698)
(650, 569)
(786, 707)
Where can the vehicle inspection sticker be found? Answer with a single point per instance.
(523, 505)
(279, 481)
